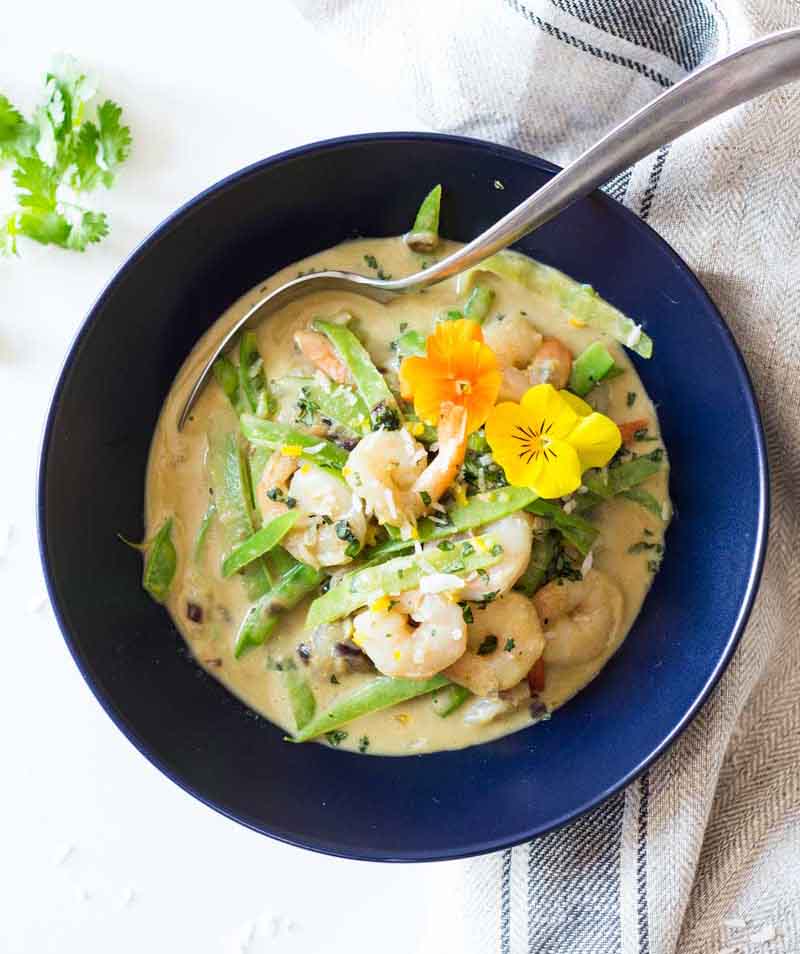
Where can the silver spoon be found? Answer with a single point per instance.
(757, 68)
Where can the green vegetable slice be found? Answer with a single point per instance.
(402, 573)
(479, 303)
(424, 234)
(229, 480)
(581, 301)
(380, 693)
(261, 619)
(301, 696)
(446, 700)
(202, 532)
(314, 449)
(160, 563)
(592, 365)
(339, 404)
(478, 511)
(370, 383)
(542, 553)
(261, 542)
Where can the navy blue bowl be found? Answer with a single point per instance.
(91, 486)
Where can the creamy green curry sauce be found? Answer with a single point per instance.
(208, 609)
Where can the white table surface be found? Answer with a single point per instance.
(98, 851)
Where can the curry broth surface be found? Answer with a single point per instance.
(177, 486)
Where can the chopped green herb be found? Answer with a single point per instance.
(631, 398)
(334, 680)
(275, 493)
(344, 532)
(468, 549)
(497, 549)
(363, 744)
(336, 737)
(426, 498)
(403, 326)
(373, 263)
(446, 545)
(487, 646)
(307, 407)
(291, 503)
(466, 611)
(509, 645)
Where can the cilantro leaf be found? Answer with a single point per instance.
(91, 228)
(115, 139)
(37, 183)
(16, 136)
(62, 145)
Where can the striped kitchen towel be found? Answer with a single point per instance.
(702, 853)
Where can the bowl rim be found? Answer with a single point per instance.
(754, 420)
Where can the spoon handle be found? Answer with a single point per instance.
(757, 68)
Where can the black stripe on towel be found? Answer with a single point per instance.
(684, 31)
(574, 884)
(505, 904)
(641, 864)
(584, 47)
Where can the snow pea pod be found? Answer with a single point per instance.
(370, 383)
(339, 404)
(542, 553)
(476, 512)
(446, 700)
(254, 392)
(229, 481)
(380, 693)
(160, 563)
(314, 449)
(261, 542)
(591, 366)
(301, 696)
(479, 303)
(575, 530)
(261, 619)
(424, 234)
(402, 573)
(581, 301)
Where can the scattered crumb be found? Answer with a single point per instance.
(764, 936)
(729, 950)
(498, 184)
(735, 924)
(64, 854)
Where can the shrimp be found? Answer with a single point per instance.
(526, 357)
(503, 643)
(515, 534)
(552, 364)
(418, 635)
(320, 352)
(331, 519)
(389, 470)
(580, 618)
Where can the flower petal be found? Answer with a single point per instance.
(503, 422)
(548, 412)
(596, 438)
(457, 369)
(578, 405)
(556, 472)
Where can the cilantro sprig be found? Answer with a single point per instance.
(63, 153)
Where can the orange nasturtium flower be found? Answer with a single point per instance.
(549, 439)
(458, 368)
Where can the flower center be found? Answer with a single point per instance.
(534, 441)
(463, 387)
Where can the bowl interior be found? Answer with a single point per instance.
(423, 807)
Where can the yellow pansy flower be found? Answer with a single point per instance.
(549, 439)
